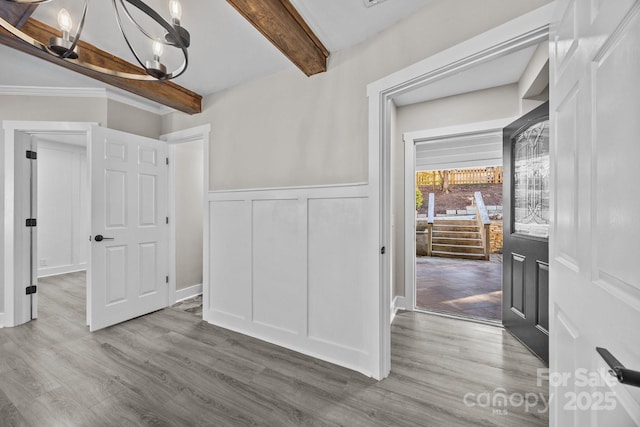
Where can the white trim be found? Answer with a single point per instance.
(318, 191)
(186, 293)
(193, 134)
(411, 139)
(399, 303)
(476, 128)
(86, 92)
(524, 31)
(15, 299)
(65, 269)
(303, 188)
(410, 223)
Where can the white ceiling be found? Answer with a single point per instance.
(226, 50)
(343, 23)
(499, 72)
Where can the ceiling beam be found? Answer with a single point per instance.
(163, 92)
(16, 13)
(281, 24)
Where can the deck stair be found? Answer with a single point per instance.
(457, 238)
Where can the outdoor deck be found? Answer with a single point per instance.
(461, 287)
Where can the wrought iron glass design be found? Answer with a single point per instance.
(531, 181)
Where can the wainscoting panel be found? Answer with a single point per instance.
(336, 264)
(289, 266)
(278, 255)
(230, 268)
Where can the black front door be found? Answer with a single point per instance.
(525, 304)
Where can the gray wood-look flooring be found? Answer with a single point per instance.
(170, 368)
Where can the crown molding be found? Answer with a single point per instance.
(85, 92)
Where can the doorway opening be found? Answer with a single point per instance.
(62, 195)
(459, 257)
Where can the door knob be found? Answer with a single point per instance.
(100, 238)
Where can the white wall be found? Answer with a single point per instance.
(63, 223)
(189, 184)
(287, 130)
(132, 120)
(299, 131)
(2, 166)
(53, 108)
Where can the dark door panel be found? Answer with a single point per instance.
(525, 311)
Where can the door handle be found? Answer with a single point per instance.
(100, 238)
(618, 370)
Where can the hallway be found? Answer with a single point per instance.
(170, 368)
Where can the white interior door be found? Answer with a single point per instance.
(129, 247)
(595, 271)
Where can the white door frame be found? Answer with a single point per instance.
(527, 30)
(426, 137)
(172, 139)
(17, 303)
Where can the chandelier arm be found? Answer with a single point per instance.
(156, 17)
(98, 69)
(28, 1)
(24, 37)
(40, 46)
(124, 34)
(140, 27)
(76, 37)
(141, 5)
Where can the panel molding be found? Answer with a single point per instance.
(541, 266)
(565, 58)
(568, 148)
(521, 260)
(282, 231)
(624, 289)
(621, 290)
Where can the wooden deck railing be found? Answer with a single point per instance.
(430, 217)
(484, 223)
(462, 176)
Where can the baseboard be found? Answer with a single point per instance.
(65, 269)
(190, 292)
(399, 303)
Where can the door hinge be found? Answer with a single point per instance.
(383, 250)
(32, 155)
(167, 220)
(166, 279)
(31, 222)
(167, 160)
(32, 289)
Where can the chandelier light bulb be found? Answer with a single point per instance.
(158, 49)
(64, 21)
(175, 9)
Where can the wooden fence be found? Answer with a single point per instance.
(491, 175)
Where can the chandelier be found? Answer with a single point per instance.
(134, 20)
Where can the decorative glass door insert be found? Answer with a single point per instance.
(531, 181)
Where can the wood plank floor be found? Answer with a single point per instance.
(171, 369)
